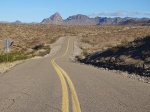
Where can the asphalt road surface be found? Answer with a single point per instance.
(55, 84)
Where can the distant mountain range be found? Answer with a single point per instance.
(80, 19)
(18, 22)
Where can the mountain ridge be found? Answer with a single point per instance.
(81, 19)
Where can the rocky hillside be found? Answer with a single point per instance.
(80, 19)
(141, 22)
(132, 57)
(54, 19)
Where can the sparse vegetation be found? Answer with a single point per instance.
(13, 56)
(32, 40)
(35, 40)
(132, 57)
(111, 36)
(115, 49)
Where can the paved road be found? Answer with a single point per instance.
(55, 85)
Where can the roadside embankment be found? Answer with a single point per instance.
(55, 48)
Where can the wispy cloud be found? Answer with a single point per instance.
(148, 13)
(107, 14)
(131, 13)
(119, 14)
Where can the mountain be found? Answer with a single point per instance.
(17, 22)
(54, 19)
(4, 22)
(141, 22)
(80, 19)
(111, 21)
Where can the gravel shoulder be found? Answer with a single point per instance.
(4, 67)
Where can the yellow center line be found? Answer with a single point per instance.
(64, 80)
(65, 100)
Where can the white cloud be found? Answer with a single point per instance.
(148, 13)
(118, 14)
(131, 13)
(107, 14)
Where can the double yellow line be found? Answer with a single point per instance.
(64, 81)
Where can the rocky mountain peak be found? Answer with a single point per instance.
(54, 19)
(78, 16)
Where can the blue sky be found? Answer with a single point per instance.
(37, 10)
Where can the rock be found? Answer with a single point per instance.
(82, 57)
(97, 61)
(72, 59)
(113, 59)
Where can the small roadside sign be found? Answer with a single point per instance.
(6, 50)
(7, 43)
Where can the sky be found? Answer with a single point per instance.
(37, 10)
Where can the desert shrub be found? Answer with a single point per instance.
(123, 58)
(132, 61)
(44, 52)
(2, 58)
(124, 42)
(14, 56)
(137, 62)
(38, 46)
(53, 40)
(84, 52)
(86, 40)
(115, 49)
(147, 60)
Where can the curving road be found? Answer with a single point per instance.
(54, 84)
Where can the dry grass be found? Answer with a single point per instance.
(132, 57)
(26, 37)
(110, 36)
